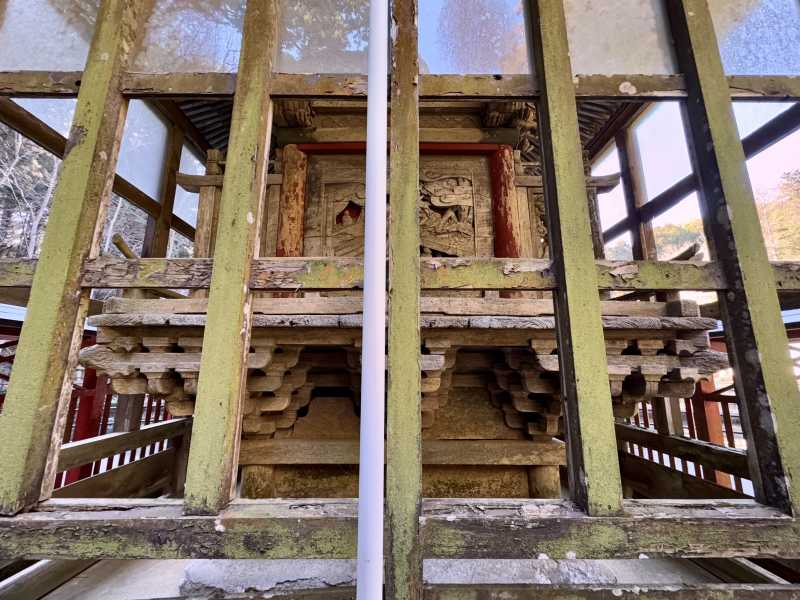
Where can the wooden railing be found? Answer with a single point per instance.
(92, 444)
(707, 443)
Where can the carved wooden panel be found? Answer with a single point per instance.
(455, 206)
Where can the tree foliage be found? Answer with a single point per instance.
(28, 176)
(478, 36)
(205, 35)
(780, 224)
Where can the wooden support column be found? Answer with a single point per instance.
(765, 382)
(208, 201)
(293, 202)
(208, 209)
(156, 239)
(505, 207)
(633, 182)
(213, 456)
(544, 482)
(128, 416)
(32, 422)
(404, 421)
(708, 427)
(592, 449)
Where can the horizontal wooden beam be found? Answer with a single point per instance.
(40, 83)
(255, 451)
(427, 135)
(38, 580)
(437, 273)
(787, 276)
(535, 274)
(342, 305)
(763, 137)
(137, 479)
(608, 592)
(75, 454)
(36, 130)
(279, 274)
(730, 460)
(655, 87)
(142, 85)
(17, 272)
(650, 479)
(346, 273)
(469, 528)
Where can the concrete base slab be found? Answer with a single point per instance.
(254, 576)
(257, 576)
(151, 579)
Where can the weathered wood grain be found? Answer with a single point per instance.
(34, 411)
(140, 478)
(610, 592)
(75, 454)
(63, 84)
(403, 396)
(506, 307)
(765, 383)
(79, 529)
(293, 202)
(640, 325)
(436, 273)
(211, 471)
(652, 480)
(195, 273)
(593, 470)
(466, 87)
(729, 460)
(434, 452)
(17, 272)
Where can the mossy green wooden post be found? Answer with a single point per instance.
(404, 425)
(41, 381)
(765, 380)
(592, 449)
(221, 386)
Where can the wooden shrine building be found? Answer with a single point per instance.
(185, 378)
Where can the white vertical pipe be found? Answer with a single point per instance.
(373, 357)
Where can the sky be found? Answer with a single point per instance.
(660, 132)
(665, 159)
(434, 57)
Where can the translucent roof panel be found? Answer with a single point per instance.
(472, 37)
(611, 204)
(185, 205)
(45, 35)
(55, 112)
(323, 36)
(663, 146)
(619, 37)
(758, 37)
(143, 149)
(192, 36)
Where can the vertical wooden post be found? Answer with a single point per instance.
(211, 474)
(632, 170)
(293, 202)
(404, 421)
(41, 383)
(592, 448)
(208, 211)
(156, 239)
(205, 233)
(765, 383)
(505, 208)
(708, 427)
